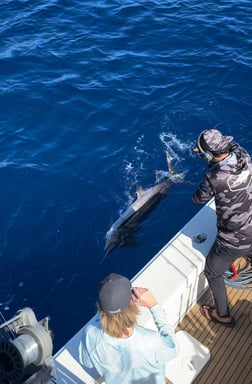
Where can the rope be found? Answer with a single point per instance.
(241, 277)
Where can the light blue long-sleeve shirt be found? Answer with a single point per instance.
(137, 359)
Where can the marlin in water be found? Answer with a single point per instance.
(120, 233)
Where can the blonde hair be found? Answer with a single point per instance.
(118, 324)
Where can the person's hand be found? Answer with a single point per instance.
(143, 297)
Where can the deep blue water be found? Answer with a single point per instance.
(91, 95)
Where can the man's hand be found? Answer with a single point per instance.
(143, 297)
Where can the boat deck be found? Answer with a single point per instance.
(231, 349)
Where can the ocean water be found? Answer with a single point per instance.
(92, 93)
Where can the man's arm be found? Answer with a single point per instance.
(204, 192)
(145, 298)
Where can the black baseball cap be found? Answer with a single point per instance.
(114, 293)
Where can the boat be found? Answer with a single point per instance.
(175, 276)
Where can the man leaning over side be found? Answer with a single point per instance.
(229, 181)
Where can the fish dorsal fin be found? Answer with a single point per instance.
(139, 190)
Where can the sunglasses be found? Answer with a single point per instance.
(134, 294)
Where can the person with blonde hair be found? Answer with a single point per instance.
(116, 347)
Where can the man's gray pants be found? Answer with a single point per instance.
(219, 259)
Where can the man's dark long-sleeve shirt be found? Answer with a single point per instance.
(230, 183)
